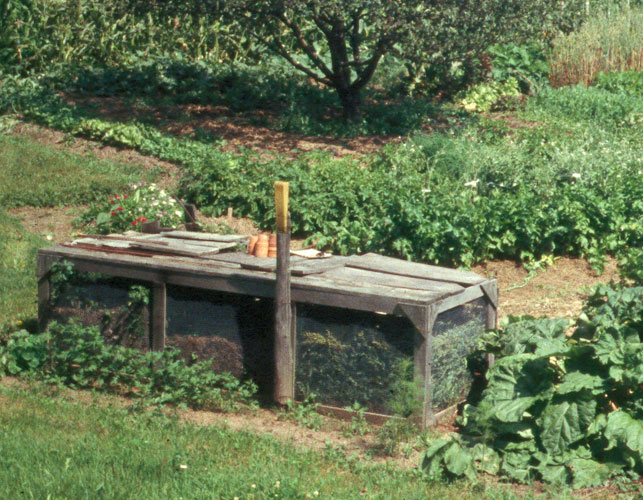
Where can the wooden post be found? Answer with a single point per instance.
(422, 362)
(158, 316)
(491, 295)
(284, 335)
(44, 291)
(44, 296)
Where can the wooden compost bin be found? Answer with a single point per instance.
(391, 335)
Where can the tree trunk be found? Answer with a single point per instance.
(351, 100)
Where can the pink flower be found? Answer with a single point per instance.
(113, 213)
(120, 209)
(134, 223)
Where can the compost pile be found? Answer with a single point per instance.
(564, 405)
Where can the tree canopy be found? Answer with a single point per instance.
(340, 43)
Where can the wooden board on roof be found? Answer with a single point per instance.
(374, 262)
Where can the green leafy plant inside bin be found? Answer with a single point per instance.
(352, 365)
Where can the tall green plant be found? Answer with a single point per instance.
(609, 41)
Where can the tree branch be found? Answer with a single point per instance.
(308, 50)
(278, 47)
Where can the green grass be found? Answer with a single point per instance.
(18, 287)
(33, 174)
(53, 448)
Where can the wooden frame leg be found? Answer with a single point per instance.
(491, 294)
(44, 297)
(284, 363)
(423, 319)
(158, 316)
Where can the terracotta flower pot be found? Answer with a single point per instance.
(251, 245)
(261, 247)
(272, 246)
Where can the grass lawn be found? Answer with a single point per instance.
(52, 447)
(37, 175)
(18, 287)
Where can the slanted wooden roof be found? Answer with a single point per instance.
(367, 282)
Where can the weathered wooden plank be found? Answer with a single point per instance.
(490, 290)
(190, 261)
(246, 261)
(422, 360)
(212, 276)
(284, 355)
(393, 280)
(44, 297)
(374, 262)
(175, 248)
(268, 265)
(104, 242)
(222, 238)
(343, 413)
(317, 266)
(467, 295)
(158, 316)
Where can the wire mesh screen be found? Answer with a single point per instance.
(454, 338)
(234, 332)
(115, 306)
(346, 357)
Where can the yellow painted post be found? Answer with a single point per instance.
(281, 205)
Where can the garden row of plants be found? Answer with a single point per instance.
(566, 183)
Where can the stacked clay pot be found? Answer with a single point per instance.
(251, 245)
(272, 246)
(261, 247)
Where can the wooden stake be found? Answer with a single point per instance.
(284, 334)
(281, 205)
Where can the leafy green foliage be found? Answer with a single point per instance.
(79, 357)
(621, 82)
(564, 409)
(494, 95)
(41, 35)
(304, 413)
(526, 63)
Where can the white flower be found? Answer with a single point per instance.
(576, 176)
(178, 213)
(426, 190)
(473, 183)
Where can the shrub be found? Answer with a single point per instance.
(628, 82)
(489, 96)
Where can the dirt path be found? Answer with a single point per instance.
(236, 129)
